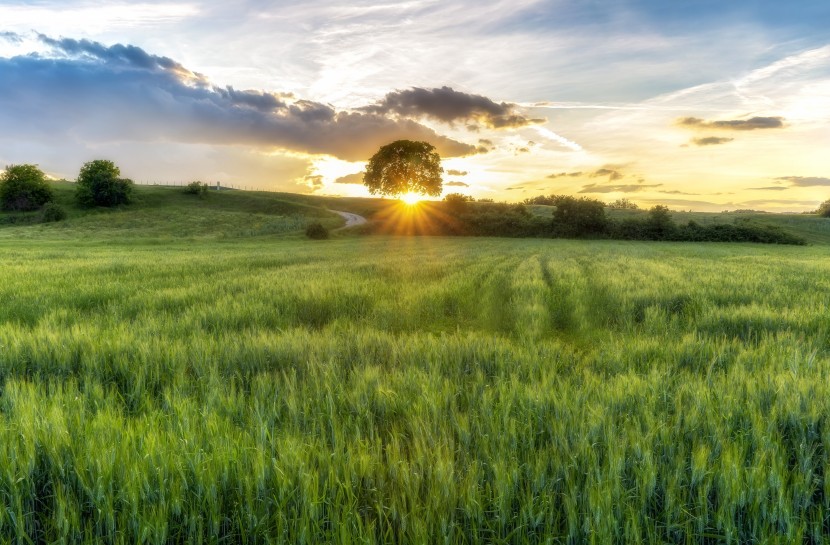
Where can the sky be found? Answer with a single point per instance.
(702, 105)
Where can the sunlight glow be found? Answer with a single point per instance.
(411, 199)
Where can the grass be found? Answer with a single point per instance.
(230, 387)
(413, 390)
(161, 213)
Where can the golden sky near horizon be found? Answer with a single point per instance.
(694, 105)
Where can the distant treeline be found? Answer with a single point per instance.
(572, 218)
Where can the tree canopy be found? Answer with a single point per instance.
(623, 204)
(402, 167)
(99, 184)
(579, 217)
(24, 187)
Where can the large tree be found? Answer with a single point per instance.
(24, 187)
(99, 184)
(404, 167)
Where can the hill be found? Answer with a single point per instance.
(161, 213)
(167, 212)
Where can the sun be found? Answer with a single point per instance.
(411, 199)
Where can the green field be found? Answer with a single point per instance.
(236, 384)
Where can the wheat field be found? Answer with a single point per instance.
(413, 390)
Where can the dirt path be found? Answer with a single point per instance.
(351, 219)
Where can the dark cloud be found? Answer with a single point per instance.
(457, 184)
(770, 188)
(751, 124)
(485, 142)
(622, 188)
(265, 102)
(89, 92)
(711, 141)
(564, 174)
(805, 181)
(514, 188)
(450, 106)
(356, 179)
(610, 172)
(119, 55)
(523, 150)
(453, 172)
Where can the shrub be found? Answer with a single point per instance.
(196, 188)
(316, 231)
(24, 187)
(99, 185)
(52, 212)
(824, 209)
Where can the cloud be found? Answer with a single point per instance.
(514, 188)
(711, 141)
(313, 181)
(356, 179)
(457, 184)
(621, 188)
(676, 192)
(448, 105)
(612, 174)
(564, 174)
(98, 94)
(611, 171)
(453, 172)
(12, 37)
(751, 124)
(778, 201)
(805, 181)
(770, 188)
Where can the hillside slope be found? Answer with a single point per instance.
(167, 212)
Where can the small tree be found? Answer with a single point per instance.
(660, 222)
(99, 184)
(623, 204)
(456, 203)
(24, 187)
(824, 209)
(579, 217)
(404, 167)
